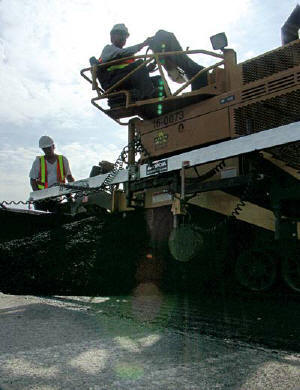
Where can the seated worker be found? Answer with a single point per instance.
(139, 80)
(47, 171)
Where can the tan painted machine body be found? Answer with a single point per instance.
(258, 187)
(259, 94)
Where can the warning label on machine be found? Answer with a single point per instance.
(157, 167)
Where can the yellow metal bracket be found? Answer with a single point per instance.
(282, 165)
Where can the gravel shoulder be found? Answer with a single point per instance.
(75, 343)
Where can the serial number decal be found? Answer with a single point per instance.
(180, 127)
(168, 119)
(157, 167)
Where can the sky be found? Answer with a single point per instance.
(45, 43)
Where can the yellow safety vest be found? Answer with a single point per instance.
(42, 181)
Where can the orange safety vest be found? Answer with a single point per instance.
(42, 180)
(121, 65)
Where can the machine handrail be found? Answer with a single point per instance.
(146, 56)
(147, 59)
(165, 53)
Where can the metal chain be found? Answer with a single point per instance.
(12, 202)
(234, 214)
(118, 165)
(138, 148)
(218, 168)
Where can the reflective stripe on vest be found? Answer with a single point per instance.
(60, 169)
(121, 65)
(43, 176)
(42, 181)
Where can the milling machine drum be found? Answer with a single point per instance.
(185, 242)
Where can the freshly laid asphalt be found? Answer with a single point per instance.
(116, 343)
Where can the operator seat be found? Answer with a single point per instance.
(117, 100)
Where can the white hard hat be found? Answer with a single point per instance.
(45, 142)
(120, 27)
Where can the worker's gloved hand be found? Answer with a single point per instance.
(151, 67)
(146, 42)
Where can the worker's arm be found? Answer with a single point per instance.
(34, 174)
(68, 173)
(34, 185)
(111, 52)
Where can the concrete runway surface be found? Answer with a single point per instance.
(117, 343)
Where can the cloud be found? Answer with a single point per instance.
(14, 172)
(44, 44)
(92, 153)
(49, 41)
(15, 165)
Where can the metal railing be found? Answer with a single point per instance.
(111, 91)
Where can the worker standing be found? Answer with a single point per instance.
(47, 171)
(140, 79)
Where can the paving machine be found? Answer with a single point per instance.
(215, 168)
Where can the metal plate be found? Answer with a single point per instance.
(264, 140)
